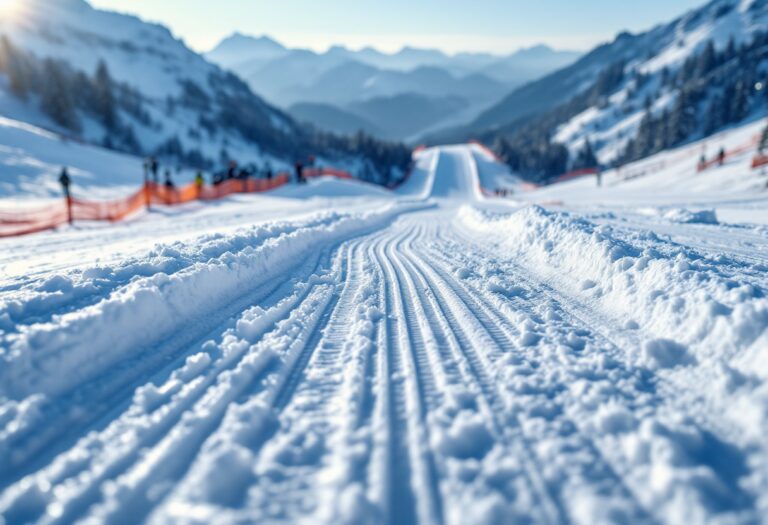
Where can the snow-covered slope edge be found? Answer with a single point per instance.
(145, 301)
(696, 306)
(698, 324)
(116, 80)
(636, 96)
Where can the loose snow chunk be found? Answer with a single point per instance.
(613, 418)
(462, 273)
(355, 508)
(467, 437)
(194, 366)
(664, 353)
(691, 217)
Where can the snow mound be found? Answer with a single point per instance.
(47, 350)
(684, 216)
(694, 304)
(330, 187)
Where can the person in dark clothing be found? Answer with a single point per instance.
(300, 173)
(65, 181)
(721, 157)
(168, 181)
(154, 168)
(761, 149)
(232, 170)
(268, 173)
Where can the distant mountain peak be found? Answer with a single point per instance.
(241, 39)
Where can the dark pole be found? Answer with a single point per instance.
(70, 218)
(147, 199)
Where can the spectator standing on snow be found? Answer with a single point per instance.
(232, 170)
(146, 166)
(721, 157)
(154, 168)
(763, 142)
(268, 172)
(299, 172)
(199, 183)
(168, 180)
(65, 182)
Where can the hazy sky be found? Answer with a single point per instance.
(452, 25)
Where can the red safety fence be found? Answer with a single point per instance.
(25, 221)
(488, 151)
(575, 174)
(740, 150)
(759, 161)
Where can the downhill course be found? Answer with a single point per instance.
(358, 357)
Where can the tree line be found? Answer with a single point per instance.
(226, 105)
(712, 89)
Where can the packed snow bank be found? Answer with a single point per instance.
(696, 307)
(422, 177)
(493, 174)
(672, 178)
(331, 188)
(456, 175)
(169, 289)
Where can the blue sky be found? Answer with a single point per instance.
(452, 25)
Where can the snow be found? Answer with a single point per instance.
(31, 159)
(339, 353)
(609, 126)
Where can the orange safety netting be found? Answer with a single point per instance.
(759, 161)
(740, 150)
(25, 221)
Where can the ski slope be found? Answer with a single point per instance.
(336, 354)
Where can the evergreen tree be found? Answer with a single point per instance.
(56, 99)
(739, 103)
(104, 98)
(586, 157)
(19, 68)
(714, 115)
(707, 60)
(763, 141)
(682, 119)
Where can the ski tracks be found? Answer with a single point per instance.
(403, 375)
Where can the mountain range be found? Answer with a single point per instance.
(344, 78)
(676, 82)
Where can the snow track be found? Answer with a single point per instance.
(416, 363)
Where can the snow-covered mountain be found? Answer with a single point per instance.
(663, 86)
(242, 51)
(342, 77)
(158, 96)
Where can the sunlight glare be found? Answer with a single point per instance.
(10, 8)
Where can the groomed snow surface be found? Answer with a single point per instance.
(336, 354)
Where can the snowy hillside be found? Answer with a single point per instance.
(453, 345)
(698, 36)
(152, 95)
(31, 159)
(424, 356)
(636, 96)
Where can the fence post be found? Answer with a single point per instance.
(68, 198)
(147, 195)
